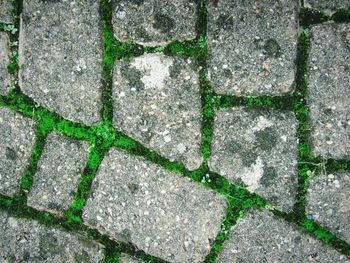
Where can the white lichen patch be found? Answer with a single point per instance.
(251, 176)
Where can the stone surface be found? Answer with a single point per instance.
(59, 169)
(257, 148)
(133, 200)
(60, 57)
(328, 202)
(154, 22)
(125, 258)
(5, 77)
(157, 102)
(329, 91)
(262, 237)
(252, 46)
(6, 11)
(327, 5)
(17, 138)
(23, 240)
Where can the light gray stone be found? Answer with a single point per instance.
(328, 202)
(329, 91)
(252, 46)
(257, 148)
(157, 102)
(327, 5)
(23, 240)
(262, 237)
(161, 213)
(154, 22)
(60, 57)
(125, 258)
(59, 169)
(5, 77)
(6, 11)
(17, 138)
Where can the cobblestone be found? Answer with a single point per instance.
(252, 46)
(58, 172)
(17, 137)
(328, 202)
(262, 237)
(6, 11)
(329, 6)
(124, 258)
(5, 78)
(61, 57)
(329, 90)
(135, 201)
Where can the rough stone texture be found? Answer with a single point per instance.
(17, 138)
(157, 102)
(327, 5)
(5, 77)
(252, 46)
(262, 237)
(23, 240)
(60, 56)
(329, 91)
(328, 202)
(161, 213)
(124, 258)
(257, 148)
(6, 11)
(59, 169)
(154, 22)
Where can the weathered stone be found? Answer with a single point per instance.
(60, 57)
(252, 46)
(157, 102)
(257, 148)
(154, 22)
(160, 212)
(125, 258)
(6, 11)
(329, 89)
(23, 240)
(262, 237)
(5, 77)
(328, 202)
(328, 6)
(59, 169)
(17, 137)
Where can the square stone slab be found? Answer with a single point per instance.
(160, 212)
(262, 237)
(60, 57)
(257, 148)
(5, 77)
(329, 91)
(328, 202)
(17, 138)
(154, 22)
(6, 11)
(55, 182)
(327, 5)
(23, 240)
(157, 102)
(252, 46)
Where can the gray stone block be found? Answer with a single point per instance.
(125, 258)
(252, 46)
(161, 213)
(6, 11)
(5, 77)
(327, 5)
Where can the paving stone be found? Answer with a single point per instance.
(157, 102)
(257, 148)
(328, 202)
(262, 237)
(17, 138)
(133, 200)
(60, 57)
(329, 91)
(252, 46)
(154, 22)
(6, 11)
(23, 240)
(59, 169)
(327, 5)
(125, 258)
(5, 77)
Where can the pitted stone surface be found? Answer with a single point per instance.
(6, 11)
(329, 91)
(252, 46)
(157, 102)
(17, 138)
(60, 57)
(23, 240)
(124, 258)
(328, 202)
(257, 148)
(59, 169)
(154, 22)
(262, 237)
(327, 5)
(5, 78)
(161, 213)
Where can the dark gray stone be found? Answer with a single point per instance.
(5, 77)
(328, 6)
(6, 11)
